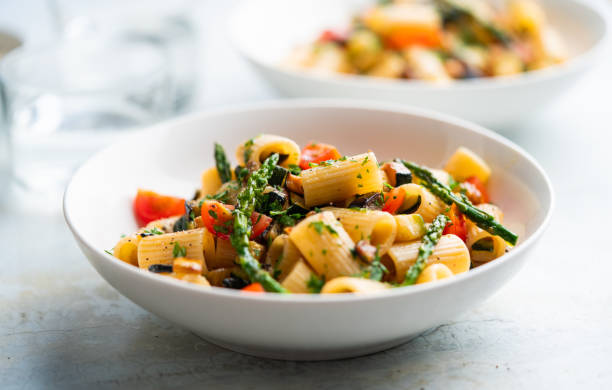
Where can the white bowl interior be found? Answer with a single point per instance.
(293, 22)
(171, 158)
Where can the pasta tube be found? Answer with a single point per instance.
(348, 284)
(257, 149)
(325, 245)
(450, 251)
(465, 163)
(341, 179)
(298, 277)
(378, 227)
(484, 246)
(225, 254)
(418, 200)
(158, 249)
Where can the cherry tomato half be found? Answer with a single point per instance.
(315, 153)
(150, 206)
(254, 287)
(456, 225)
(476, 190)
(394, 200)
(218, 219)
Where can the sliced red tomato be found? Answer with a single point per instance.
(394, 200)
(254, 287)
(260, 223)
(414, 35)
(218, 219)
(329, 36)
(150, 206)
(315, 153)
(456, 225)
(477, 193)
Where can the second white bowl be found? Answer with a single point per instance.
(265, 31)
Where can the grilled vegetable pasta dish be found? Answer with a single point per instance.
(437, 40)
(287, 220)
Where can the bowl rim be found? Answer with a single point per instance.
(312, 103)
(571, 65)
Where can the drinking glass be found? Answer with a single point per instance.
(66, 100)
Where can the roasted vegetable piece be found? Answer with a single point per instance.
(428, 243)
(150, 206)
(371, 200)
(279, 175)
(315, 153)
(240, 234)
(482, 219)
(254, 287)
(456, 224)
(394, 200)
(223, 167)
(397, 173)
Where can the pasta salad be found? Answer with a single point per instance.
(287, 220)
(437, 40)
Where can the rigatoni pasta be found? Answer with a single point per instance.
(339, 180)
(314, 221)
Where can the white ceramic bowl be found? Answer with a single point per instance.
(265, 31)
(170, 157)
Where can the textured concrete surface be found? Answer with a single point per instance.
(62, 326)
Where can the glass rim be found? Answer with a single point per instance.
(10, 63)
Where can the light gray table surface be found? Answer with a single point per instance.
(62, 326)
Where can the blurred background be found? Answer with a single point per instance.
(78, 74)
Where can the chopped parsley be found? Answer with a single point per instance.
(359, 176)
(320, 225)
(452, 183)
(388, 186)
(178, 250)
(365, 160)
(315, 284)
(221, 197)
(295, 169)
(324, 252)
(247, 150)
(375, 270)
(213, 213)
(154, 231)
(109, 252)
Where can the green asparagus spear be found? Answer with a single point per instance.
(428, 243)
(223, 167)
(482, 219)
(242, 226)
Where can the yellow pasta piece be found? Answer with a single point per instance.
(211, 182)
(483, 246)
(191, 278)
(418, 200)
(341, 180)
(325, 245)
(257, 149)
(378, 227)
(465, 163)
(127, 249)
(526, 16)
(215, 277)
(166, 225)
(297, 279)
(450, 251)
(158, 249)
(410, 227)
(434, 272)
(347, 284)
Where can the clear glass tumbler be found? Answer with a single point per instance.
(66, 100)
